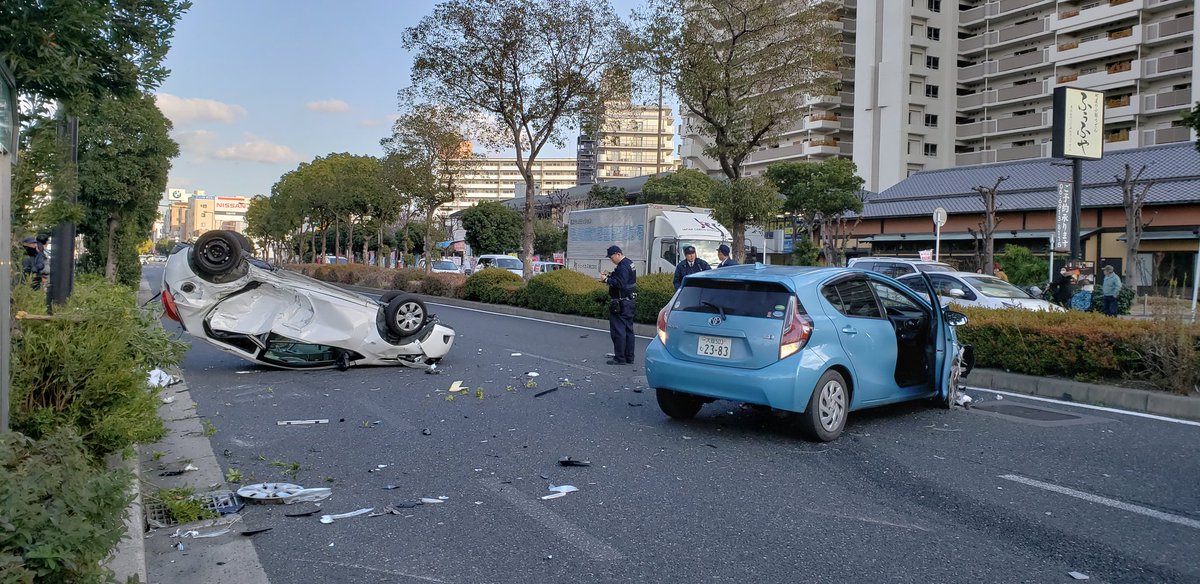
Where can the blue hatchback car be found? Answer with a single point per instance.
(821, 342)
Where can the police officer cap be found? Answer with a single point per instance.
(612, 249)
(689, 249)
(29, 241)
(723, 249)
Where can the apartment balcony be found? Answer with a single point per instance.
(1022, 61)
(1126, 106)
(978, 13)
(789, 152)
(978, 71)
(1023, 91)
(823, 122)
(1010, 5)
(976, 101)
(1170, 64)
(1155, 5)
(975, 130)
(1169, 29)
(1028, 121)
(976, 43)
(1077, 18)
(1019, 153)
(1166, 136)
(973, 158)
(1167, 100)
(1077, 50)
(822, 100)
(822, 147)
(1121, 141)
(1100, 77)
(1021, 31)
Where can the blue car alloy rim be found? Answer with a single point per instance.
(831, 407)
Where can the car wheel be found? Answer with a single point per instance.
(680, 406)
(217, 253)
(825, 417)
(405, 315)
(244, 242)
(343, 361)
(387, 297)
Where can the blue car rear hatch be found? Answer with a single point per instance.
(734, 322)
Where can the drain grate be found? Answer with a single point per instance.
(1027, 413)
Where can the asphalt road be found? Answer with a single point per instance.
(910, 493)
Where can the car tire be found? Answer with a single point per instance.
(244, 242)
(825, 417)
(388, 296)
(405, 315)
(343, 361)
(217, 253)
(680, 406)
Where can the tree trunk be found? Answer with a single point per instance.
(314, 246)
(738, 233)
(337, 239)
(380, 261)
(350, 240)
(527, 229)
(324, 244)
(366, 244)
(429, 241)
(110, 262)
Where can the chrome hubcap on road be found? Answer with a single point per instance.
(832, 406)
(409, 316)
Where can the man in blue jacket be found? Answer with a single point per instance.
(690, 265)
(621, 293)
(723, 255)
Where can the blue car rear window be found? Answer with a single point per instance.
(735, 297)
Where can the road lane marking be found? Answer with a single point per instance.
(1192, 523)
(1088, 406)
(369, 569)
(569, 364)
(569, 532)
(586, 328)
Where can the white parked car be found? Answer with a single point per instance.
(283, 319)
(505, 262)
(442, 267)
(897, 267)
(543, 267)
(977, 290)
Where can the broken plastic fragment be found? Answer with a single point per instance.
(429, 500)
(426, 432)
(515, 355)
(301, 422)
(1079, 576)
(963, 400)
(532, 374)
(168, 400)
(257, 531)
(568, 461)
(160, 378)
(541, 393)
(191, 467)
(457, 387)
(560, 491)
(286, 493)
(331, 518)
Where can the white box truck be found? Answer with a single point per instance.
(651, 236)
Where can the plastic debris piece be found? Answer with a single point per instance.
(532, 374)
(414, 503)
(390, 487)
(379, 513)
(553, 496)
(457, 387)
(286, 493)
(302, 513)
(999, 397)
(168, 400)
(160, 378)
(430, 500)
(191, 467)
(568, 461)
(559, 491)
(963, 400)
(331, 518)
(426, 432)
(250, 532)
(633, 405)
(541, 393)
(515, 355)
(1079, 576)
(301, 422)
(179, 545)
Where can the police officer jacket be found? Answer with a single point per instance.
(621, 282)
(683, 269)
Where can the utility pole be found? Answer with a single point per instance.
(1076, 205)
(62, 264)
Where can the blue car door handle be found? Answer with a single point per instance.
(849, 330)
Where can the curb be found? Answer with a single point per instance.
(128, 559)
(1158, 403)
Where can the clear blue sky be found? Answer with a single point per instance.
(257, 87)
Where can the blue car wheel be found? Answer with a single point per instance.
(825, 417)
(680, 406)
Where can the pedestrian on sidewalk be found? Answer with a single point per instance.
(999, 273)
(622, 291)
(1112, 290)
(690, 265)
(36, 266)
(1061, 288)
(723, 255)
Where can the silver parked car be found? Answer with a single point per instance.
(978, 291)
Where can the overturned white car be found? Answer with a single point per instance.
(280, 318)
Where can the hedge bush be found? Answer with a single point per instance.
(566, 292)
(654, 291)
(62, 515)
(1085, 346)
(493, 285)
(88, 367)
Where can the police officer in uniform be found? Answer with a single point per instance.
(690, 265)
(723, 255)
(621, 293)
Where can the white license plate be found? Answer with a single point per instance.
(714, 347)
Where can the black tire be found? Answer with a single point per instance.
(405, 315)
(388, 296)
(217, 253)
(825, 417)
(680, 406)
(343, 361)
(245, 243)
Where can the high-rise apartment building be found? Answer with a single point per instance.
(936, 84)
(629, 141)
(498, 179)
(1007, 58)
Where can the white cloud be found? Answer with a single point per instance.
(328, 106)
(259, 151)
(195, 142)
(184, 110)
(371, 123)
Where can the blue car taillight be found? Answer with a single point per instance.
(797, 332)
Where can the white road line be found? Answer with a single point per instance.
(586, 328)
(1088, 406)
(554, 522)
(369, 569)
(1192, 523)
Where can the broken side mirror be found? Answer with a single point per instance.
(954, 318)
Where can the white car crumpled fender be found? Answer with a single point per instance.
(288, 320)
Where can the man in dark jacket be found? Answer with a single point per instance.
(690, 265)
(36, 265)
(1062, 289)
(723, 255)
(621, 294)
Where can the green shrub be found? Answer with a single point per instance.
(654, 291)
(1022, 267)
(88, 368)
(62, 515)
(493, 285)
(566, 292)
(447, 285)
(1085, 346)
(1125, 299)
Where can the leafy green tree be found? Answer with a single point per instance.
(822, 194)
(492, 228)
(428, 157)
(600, 197)
(125, 153)
(548, 237)
(1191, 119)
(743, 69)
(748, 201)
(804, 251)
(64, 49)
(164, 246)
(1022, 267)
(685, 186)
(531, 66)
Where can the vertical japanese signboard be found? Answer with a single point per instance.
(1062, 219)
(1078, 123)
